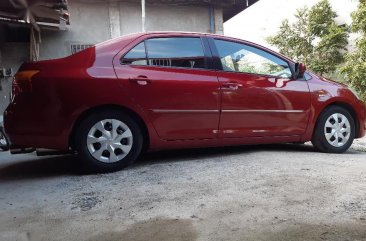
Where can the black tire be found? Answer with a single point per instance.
(319, 139)
(91, 164)
(3, 138)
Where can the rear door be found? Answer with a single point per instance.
(259, 96)
(169, 78)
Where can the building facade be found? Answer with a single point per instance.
(92, 22)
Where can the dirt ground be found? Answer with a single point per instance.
(273, 192)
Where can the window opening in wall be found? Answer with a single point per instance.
(79, 47)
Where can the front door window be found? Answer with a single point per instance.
(236, 57)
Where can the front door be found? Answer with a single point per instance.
(171, 83)
(259, 98)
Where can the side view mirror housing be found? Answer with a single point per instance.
(298, 70)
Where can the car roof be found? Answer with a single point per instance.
(184, 33)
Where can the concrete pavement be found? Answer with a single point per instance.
(272, 192)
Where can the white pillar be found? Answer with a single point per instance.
(114, 20)
(219, 21)
(143, 15)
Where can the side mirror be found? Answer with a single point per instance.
(298, 71)
(302, 69)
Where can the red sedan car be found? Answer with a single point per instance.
(164, 90)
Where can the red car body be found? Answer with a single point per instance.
(177, 107)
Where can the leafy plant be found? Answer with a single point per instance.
(355, 68)
(314, 38)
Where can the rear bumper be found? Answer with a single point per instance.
(25, 141)
(29, 127)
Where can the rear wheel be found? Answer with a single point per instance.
(4, 142)
(335, 130)
(108, 141)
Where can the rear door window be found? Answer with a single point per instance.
(176, 52)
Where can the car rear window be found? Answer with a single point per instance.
(136, 56)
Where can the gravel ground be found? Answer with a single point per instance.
(271, 192)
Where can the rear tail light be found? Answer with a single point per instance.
(22, 82)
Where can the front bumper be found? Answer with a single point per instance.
(361, 114)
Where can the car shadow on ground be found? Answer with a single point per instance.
(38, 167)
(204, 153)
(41, 167)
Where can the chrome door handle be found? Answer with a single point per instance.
(140, 80)
(231, 86)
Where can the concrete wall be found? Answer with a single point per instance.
(130, 13)
(12, 56)
(94, 22)
(89, 25)
(264, 18)
(160, 17)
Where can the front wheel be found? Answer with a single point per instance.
(335, 130)
(108, 141)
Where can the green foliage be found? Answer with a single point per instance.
(247, 68)
(355, 68)
(314, 38)
(330, 50)
(321, 18)
(359, 18)
(293, 39)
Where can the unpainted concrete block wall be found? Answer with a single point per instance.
(95, 22)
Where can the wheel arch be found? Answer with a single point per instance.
(133, 114)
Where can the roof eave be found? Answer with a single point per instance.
(238, 7)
